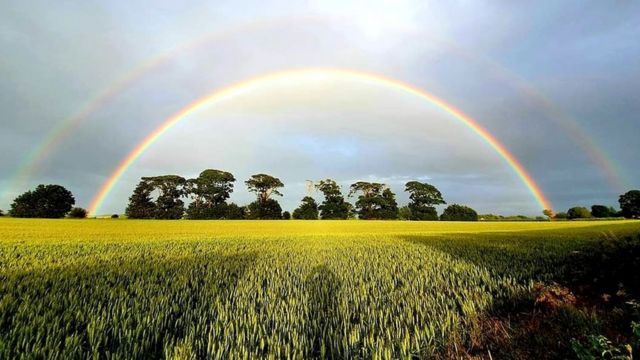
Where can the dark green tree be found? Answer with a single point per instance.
(389, 208)
(561, 215)
(457, 212)
(209, 192)
(46, 201)
(169, 204)
(78, 213)
(264, 186)
(235, 212)
(264, 210)
(334, 206)
(630, 204)
(1, 213)
(578, 212)
(286, 215)
(141, 204)
(423, 199)
(308, 209)
(374, 201)
(404, 213)
(601, 211)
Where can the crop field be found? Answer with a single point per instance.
(268, 289)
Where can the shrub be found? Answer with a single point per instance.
(78, 213)
(286, 215)
(457, 212)
(115, 216)
(578, 212)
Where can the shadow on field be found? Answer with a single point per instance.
(580, 289)
(125, 307)
(325, 319)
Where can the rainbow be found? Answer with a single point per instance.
(243, 87)
(65, 128)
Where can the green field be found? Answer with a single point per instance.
(269, 289)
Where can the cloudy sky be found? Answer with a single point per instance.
(557, 83)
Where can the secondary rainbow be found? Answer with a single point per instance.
(300, 74)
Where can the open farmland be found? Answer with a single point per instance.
(270, 289)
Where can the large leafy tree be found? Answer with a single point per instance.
(334, 206)
(375, 201)
(630, 204)
(308, 209)
(169, 204)
(602, 211)
(423, 199)
(264, 186)
(209, 191)
(46, 201)
(141, 204)
(457, 212)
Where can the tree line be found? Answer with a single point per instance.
(210, 191)
(162, 197)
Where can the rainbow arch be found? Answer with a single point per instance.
(242, 87)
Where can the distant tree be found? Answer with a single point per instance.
(548, 213)
(578, 212)
(389, 208)
(457, 212)
(374, 201)
(404, 213)
(561, 215)
(334, 206)
(630, 204)
(78, 213)
(423, 199)
(141, 205)
(265, 210)
(1, 213)
(209, 192)
(46, 201)
(264, 186)
(601, 211)
(286, 215)
(235, 212)
(308, 209)
(172, 188)
(115, 216)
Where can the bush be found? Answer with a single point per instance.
(235, 212)
(115, 216)
(286, 215)
(78, 213)
(1, 213)
(308, 209)
(264, 210)
(578, 212)
(457, 212)
(601, 211)
(561, 215)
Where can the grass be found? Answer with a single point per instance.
(269, 289)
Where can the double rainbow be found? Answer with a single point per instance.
(240, 88)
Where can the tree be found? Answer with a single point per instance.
(601, 211)
(172, 188)
(561, 215)
(46, 201)
(334, 206)
(308, 209)
(548, 213)
(578, 212)
(286, 215)
(1, 213)
(630, 204)
(209, 191)
(78, 213)
(457, 212)
(264, 186)
(264, 207)
(141, 205)
(423, 199)
(235, 212)
(115, 216)
(389, 208)
(375, 201)
(265, 210)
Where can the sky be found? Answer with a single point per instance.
(556, 83)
